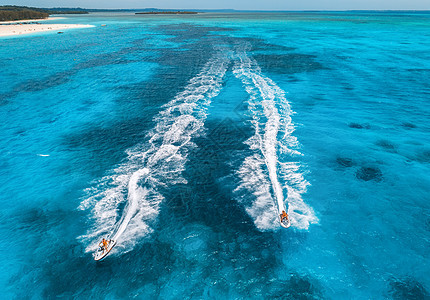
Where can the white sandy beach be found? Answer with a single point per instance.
(18, 28)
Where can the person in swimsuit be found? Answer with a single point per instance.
(284, 216)
(103, 244)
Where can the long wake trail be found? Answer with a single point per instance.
(270, 173)
(135, 185)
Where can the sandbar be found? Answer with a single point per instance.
(32, 26)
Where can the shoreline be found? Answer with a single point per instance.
(18, 28)
(32, 20)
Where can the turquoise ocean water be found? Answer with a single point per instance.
(183, 136)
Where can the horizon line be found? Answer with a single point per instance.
(232, 9)
(259, 10)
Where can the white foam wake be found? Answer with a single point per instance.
(273, 147)
(136, 183)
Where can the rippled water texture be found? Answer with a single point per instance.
(184, 137)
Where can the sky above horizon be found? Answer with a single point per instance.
(228, 4)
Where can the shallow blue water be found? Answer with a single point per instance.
(182, 136)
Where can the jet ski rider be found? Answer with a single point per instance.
(103, 244)
(284, 216)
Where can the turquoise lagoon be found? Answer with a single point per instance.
(182, 136)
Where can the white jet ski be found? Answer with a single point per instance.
(103, 251)
(285, 221)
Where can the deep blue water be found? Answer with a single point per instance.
(182, 136)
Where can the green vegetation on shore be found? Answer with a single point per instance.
(13, 13)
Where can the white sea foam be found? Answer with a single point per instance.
(136, 183)
(269, 172)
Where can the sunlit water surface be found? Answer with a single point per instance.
(182, 137)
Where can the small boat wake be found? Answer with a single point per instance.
(125, 203)
(132, 190)
(271, 170)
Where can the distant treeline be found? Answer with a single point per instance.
(12, 13)
(167, 13)
(151, 10)
(63, 10)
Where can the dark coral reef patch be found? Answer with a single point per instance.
(369, 173)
